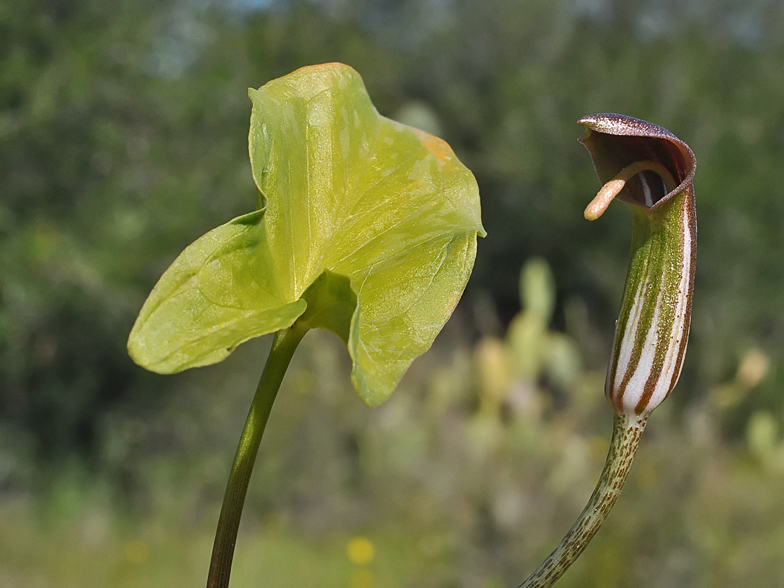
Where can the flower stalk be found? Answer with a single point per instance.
(649, 168)
(627, 432)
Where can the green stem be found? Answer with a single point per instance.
(627, 432)
(283, 347)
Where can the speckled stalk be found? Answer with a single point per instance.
(627, 431)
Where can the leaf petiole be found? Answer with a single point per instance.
(283, 346)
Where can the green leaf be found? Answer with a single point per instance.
(369, 224)
(216, 295)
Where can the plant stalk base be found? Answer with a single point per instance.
(283, 347)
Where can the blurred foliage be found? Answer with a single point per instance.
(122, 139)
(466, 477)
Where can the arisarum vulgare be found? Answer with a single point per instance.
(649, 168)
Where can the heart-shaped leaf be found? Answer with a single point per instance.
(369, 229)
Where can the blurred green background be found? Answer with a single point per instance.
(123, 132)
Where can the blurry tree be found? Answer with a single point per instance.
(117, 142)
(122, 138)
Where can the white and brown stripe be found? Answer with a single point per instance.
(653, 329)
(650, 168)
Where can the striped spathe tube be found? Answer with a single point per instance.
(652, 170)
(649, 168)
